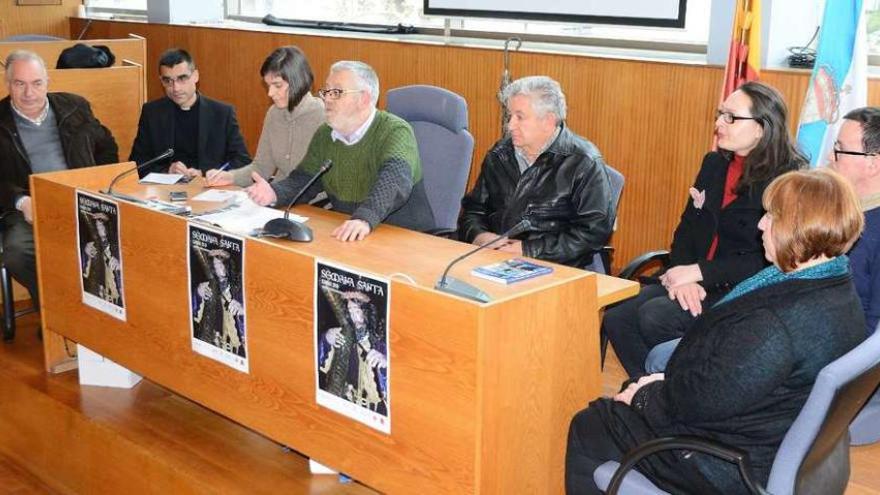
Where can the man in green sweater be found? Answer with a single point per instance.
(376, 175)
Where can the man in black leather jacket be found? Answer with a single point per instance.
(543, 172)
(39, 132)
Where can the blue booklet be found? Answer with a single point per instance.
(510, 271)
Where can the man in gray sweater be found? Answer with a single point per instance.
(39, 132)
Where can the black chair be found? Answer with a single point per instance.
(814, 455)
(9, 312)
(644, 268)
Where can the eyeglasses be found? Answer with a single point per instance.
(335, 93)
(181, 79)
(838, 152)
(730, 118)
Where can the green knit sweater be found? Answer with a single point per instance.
(356, 167)
(378, 179)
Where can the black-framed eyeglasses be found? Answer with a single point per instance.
(181, 79)
(838, 152)
(335, 93)
(730, 117)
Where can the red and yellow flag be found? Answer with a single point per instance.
(744, 59)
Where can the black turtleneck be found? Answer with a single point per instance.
(186, 135)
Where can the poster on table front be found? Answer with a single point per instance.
(351, 345)
(216, 296)
(100, 262)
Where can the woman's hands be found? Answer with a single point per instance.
(629, 392)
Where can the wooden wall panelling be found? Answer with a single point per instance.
(42, 19)
(651, 120)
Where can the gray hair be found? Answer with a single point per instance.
(25, 55)
(364, 75)
(545, 94)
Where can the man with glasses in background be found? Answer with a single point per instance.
(39, 132)
(376, 174)
(203, 132)
(856, 156)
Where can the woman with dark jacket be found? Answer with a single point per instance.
(716, 244)
(744, 371)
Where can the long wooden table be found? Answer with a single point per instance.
(481, 394)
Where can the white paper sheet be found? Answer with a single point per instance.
(217, 195)
(157, 178)
(243, 216)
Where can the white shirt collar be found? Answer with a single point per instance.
(356, 135)
(37, 121)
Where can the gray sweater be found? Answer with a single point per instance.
(284, 140)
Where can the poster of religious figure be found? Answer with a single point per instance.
(351, 345)
(216, 296)
(100, 261)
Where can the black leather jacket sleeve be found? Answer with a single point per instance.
(588, 229)
(476, 207)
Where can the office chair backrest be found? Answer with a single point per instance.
(440, 120)
(814, 455)
(602, 260)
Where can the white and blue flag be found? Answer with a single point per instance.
(840, 78)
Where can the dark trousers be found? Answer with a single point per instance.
(589, 446)
(19, 254)
(638, 324)
(591, 443)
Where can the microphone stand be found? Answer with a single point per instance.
(285, 228)
(109, 192)
(464, 289)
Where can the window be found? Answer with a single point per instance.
(118, 4)
(353, 11)
(873, 22)
(409, 12)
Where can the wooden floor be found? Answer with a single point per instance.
(16, 481)
(199, 451)
(238, 460)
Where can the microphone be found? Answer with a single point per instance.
(285, 228)
(464, 289)
(167, 153)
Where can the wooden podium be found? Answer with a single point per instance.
(481, 394)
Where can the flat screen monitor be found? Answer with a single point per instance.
(655, 13)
